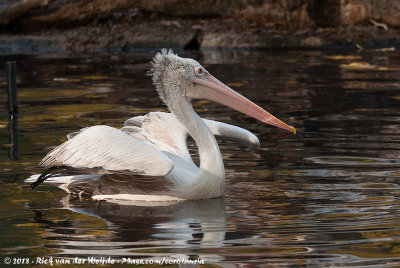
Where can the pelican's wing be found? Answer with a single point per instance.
(161, 130)
(111, 150)
(230, 132)
(165, 132)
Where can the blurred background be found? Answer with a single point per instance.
(124, 25)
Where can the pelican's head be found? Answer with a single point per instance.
(183, 80)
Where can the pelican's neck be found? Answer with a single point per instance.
(210, 180)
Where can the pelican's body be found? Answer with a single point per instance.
(155, 144)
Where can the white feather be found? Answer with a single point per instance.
(110, 149)
(165, 132)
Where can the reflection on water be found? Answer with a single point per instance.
(189, 226)
(328, 196)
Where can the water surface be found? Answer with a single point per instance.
(328, 196)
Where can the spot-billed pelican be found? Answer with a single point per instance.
(155, 145)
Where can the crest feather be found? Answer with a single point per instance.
(160, 62)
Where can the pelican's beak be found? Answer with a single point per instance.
(214, 90)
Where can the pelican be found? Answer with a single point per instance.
(155, 145)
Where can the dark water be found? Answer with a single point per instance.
(328, 196)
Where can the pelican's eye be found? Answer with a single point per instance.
(200, 71)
